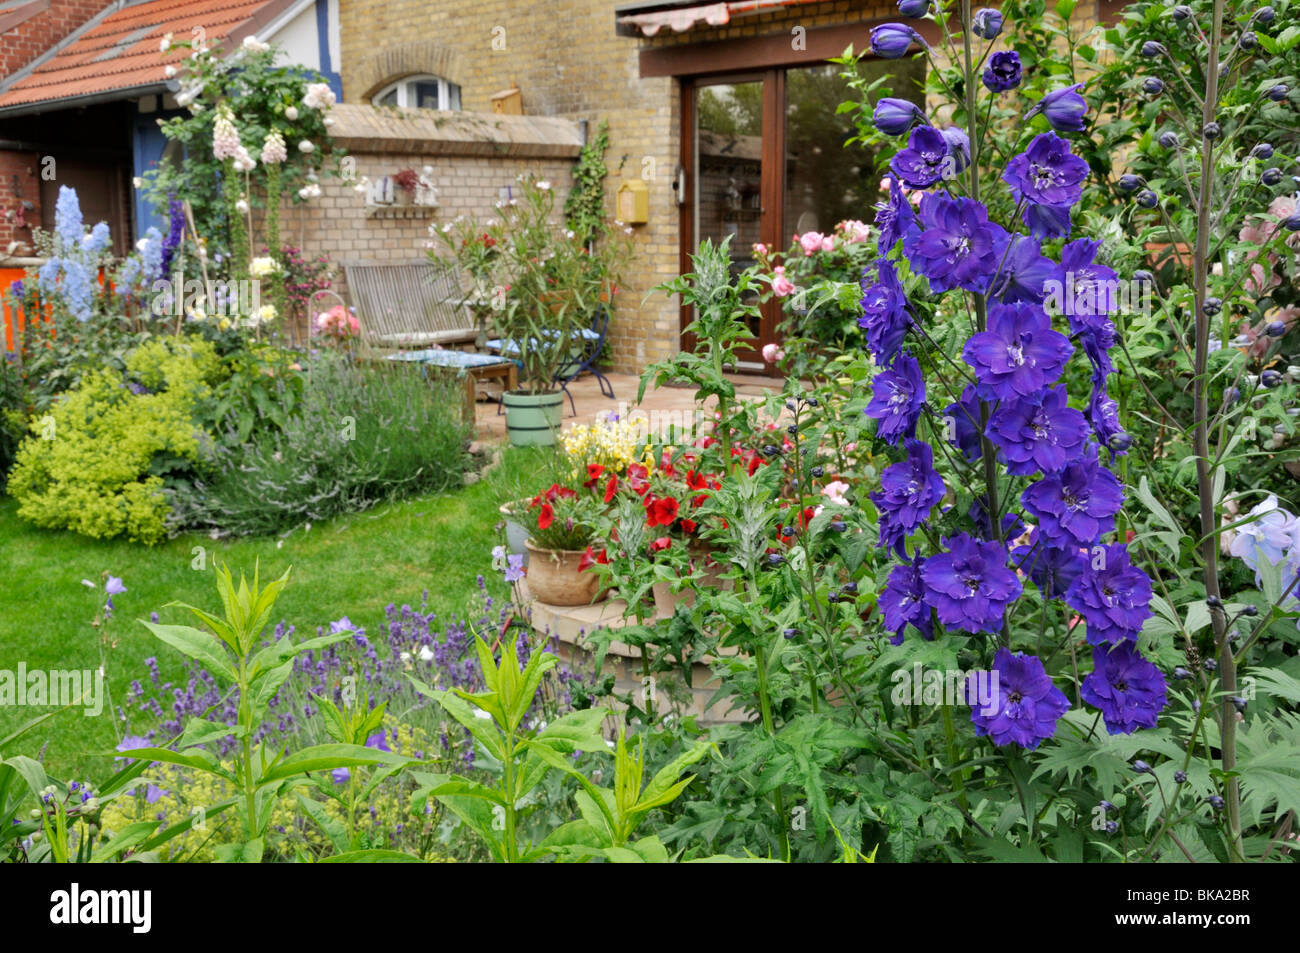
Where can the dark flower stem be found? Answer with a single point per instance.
(1201, 444)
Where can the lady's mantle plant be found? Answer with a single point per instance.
(1010, 414)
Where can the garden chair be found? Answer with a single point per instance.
(588, 345)
(409, 305)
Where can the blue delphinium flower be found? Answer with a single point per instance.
(894, 117)
(1018, 355)
(175, 232)
(96, 240)
(1026, 706)
(151, 255)
(1051, 568)
(48, 275)
(956, 245)
(893, 40)
(1111, 594)
(958, 148)
(962, 418)
(1003, 71)
(1023, 272)
(884, 313)
(127, 277)
(1127, 689)
(1103, 417)
(68, 225)
(909, 490)
(1046, 221)
(914, 8)
(77, 289)
(1041, 432)
(897, 396)
(903, 601)
(1078, 505)
(1047, 173)
(1064, 109)
(895, 218)
(925, 161)
(969, 586)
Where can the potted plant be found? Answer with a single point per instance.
(562, 525)
(545, 283)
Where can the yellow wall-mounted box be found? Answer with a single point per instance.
(508, 102)
(633, 202)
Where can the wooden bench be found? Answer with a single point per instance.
(409, 305)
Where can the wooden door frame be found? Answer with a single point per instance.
(771, 183)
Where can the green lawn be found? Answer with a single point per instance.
(354, 566)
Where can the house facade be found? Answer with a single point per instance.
(722, 113)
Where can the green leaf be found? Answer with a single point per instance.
(195, 644)
(375, 856)
(455, 705)
(331, 827)
(128, 837)
(327, 758)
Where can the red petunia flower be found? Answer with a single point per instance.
(546, 517)
(690, 525)
(660, 544)
(590, 558)
(638, 478)
(611, 488)
(594, 473)
(661, 511)
(696, 481)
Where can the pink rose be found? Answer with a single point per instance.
(812, 242)
(773, 353)
(760, 249)
(781, 285)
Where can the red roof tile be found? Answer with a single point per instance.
(123, 50)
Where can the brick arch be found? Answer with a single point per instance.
(376, 71)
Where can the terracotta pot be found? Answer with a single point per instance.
(554, 578)
(666, 601)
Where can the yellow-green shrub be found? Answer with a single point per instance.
(87, 467)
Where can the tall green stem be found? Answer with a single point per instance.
(1201, 442)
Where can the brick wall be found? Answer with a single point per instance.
(33, 36)
(339, 225)
(18, 47)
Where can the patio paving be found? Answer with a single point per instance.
(664, 404)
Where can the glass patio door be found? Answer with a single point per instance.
(731, 182)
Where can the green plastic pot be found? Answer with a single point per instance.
(533, 420)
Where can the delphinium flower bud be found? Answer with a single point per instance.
(1278, 93)
(1270, 378)
(1248, 40)
(986, 23)
(1153, 86)
(1141, 767)
(1181, 674)
(1151, 49)
(1120, 442)
(1181, 13)
(1275, 329)
(1168, 140)
(1148, 199)
(1271, 176)
(1211, 130)
(914, 8)
(1112, 827)
(1292, 222)
(775, 559)
(1210, 665)
(1238, 702)
(893, 40)
(1143, 277)
(1214, 602)
(791, 633)
(1106, 806)
(1180, 776)
(1265, 15)
(851, 587)
(838, 526)
(787, 531)
(1212, 306)
(1262, 151)
(1216, 802)
(818, 471)
(1128, 182)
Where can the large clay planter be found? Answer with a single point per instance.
(532, 420)
(554, 578)
(666, 601)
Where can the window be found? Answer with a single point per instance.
(419, 92)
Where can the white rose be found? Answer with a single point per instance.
(291, 113)
(306, 146)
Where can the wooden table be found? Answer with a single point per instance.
(472, 368)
